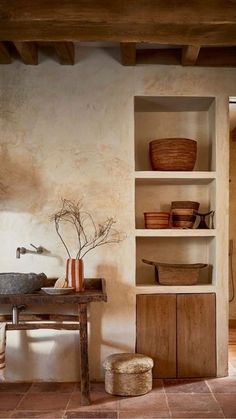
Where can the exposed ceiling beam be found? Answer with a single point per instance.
(217, 57)
(28, 52)
(208, 56)
(170, 56)
(173, 22)
(65, 52)
(5, 57)
(190, 54)
(128, 53)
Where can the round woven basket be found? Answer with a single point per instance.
(157, 219)
(185, 205)
(183, 213)
(173, 154)
(183, 221)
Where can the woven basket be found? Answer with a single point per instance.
(157, 219)
(183, 213)
(173, 154)
(176, 274)
(183, 221)
(185, 204)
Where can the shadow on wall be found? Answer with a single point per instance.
(22, 188)
(113, 309)
(59, 348)
(67, 348)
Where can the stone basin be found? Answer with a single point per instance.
(21, 283)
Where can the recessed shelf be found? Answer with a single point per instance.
(179, 178)
(174, 232)
(175, 117)
(174, 289)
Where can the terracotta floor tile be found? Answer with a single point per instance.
(223, 385)
(9, 401)
(227, 403)
(99, 401)
(185, 386)
(158, 385)
(5, 414)
(149, 402)
(86, 414)
(192, 402)
(44, 401)
(97, 387)
(141, 414)
(52, 387)
(195, 415)
(37, 414)
(14, 387)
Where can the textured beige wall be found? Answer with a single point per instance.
(232, 218)
(69, 132)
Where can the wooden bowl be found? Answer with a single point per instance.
(173, 154)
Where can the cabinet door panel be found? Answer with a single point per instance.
(156, 332)
(196, 335)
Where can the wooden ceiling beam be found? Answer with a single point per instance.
(28, 52)
(170, 56)
(217, 57)
(65, 52)
(128, 53)
(190, 54)
(5, 57)
(174, 22)
(208, 56)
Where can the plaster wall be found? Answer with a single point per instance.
(232, 224)
(69, 132)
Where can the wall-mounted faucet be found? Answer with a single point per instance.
(22, 250)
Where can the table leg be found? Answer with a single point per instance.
(84, 365)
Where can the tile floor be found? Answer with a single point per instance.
(213, 398)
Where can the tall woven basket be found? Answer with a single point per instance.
(173, 154)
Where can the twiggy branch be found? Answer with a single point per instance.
(88, 233)
(63, 242)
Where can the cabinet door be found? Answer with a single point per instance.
(196, 335)
(156, 332)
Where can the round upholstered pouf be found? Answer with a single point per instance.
(128, 374)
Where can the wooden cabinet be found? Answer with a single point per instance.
(179, 332)
(156, 331)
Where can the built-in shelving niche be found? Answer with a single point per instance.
(174, 250)
(187, 117)
(162, 117)
(157, 194)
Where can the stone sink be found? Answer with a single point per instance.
(19, 283)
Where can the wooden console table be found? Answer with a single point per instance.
(95, 290)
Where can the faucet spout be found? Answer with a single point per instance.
(20, 251)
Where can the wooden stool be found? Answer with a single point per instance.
(128, 374)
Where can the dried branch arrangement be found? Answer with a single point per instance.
(89, 234)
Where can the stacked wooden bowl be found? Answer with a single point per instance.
(157, 219)
(173, 154)
(183, 213)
